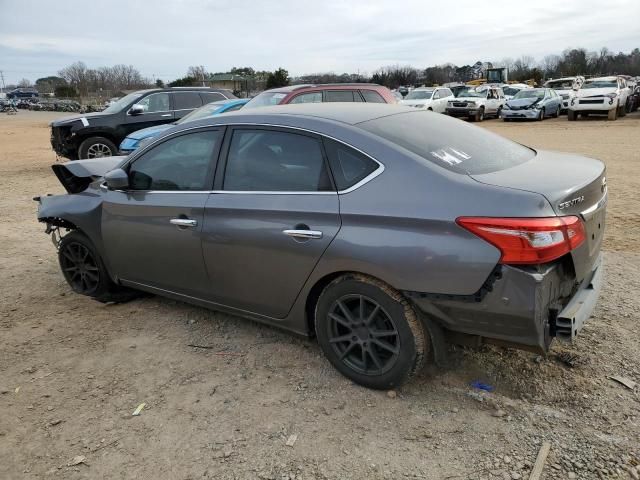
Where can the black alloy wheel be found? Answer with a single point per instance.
(79, 267)
(363, 335)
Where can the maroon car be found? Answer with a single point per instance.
(333, 92)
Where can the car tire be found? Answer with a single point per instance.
(571, 115)
(622, 110)
(499, 112)
(96, 147)
(430, 109)
(84, 270)
(541, 115)
(557, 114)
(613, 114)
(369, 332)
(479, 116)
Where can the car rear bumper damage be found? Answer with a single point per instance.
(520, 307)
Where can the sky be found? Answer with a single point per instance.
(162, 38)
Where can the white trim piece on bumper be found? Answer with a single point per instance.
(573, 317)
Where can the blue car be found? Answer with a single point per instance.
(142, 137)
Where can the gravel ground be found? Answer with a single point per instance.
(261, 404)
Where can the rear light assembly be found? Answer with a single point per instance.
(528, 240)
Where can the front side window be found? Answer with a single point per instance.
(338, 96)
(312, 97)
(181, 163)
(348, 165)
(269, 160)
(156, 102)
(186, 100)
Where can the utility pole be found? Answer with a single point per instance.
(3, 88)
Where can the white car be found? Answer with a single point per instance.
(565, 87)
(602, 95)
(435, 98)
(477, 103)
(511, 91)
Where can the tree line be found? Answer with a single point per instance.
(79, 80)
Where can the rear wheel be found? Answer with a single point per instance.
(613, 114)
(369, 332)
(97, 147)
(571, 115)
(557, 114)
(84, 270)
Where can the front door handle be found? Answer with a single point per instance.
(183, 222)
(166, 115)
(303, 234)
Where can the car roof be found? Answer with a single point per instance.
(347, 113)
(320, 86)
(609, 78)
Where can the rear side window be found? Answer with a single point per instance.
(186, 101)
(180, 164)
(449, 143)
(270, 160)
(348, 165)
(339, 95)
(312, 97)
(371, 96)
(208, 97)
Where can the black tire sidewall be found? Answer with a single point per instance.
(406, 362)
(86, 143)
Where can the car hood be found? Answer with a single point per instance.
(76, 176)
(595, 92)
(522, 102)
(149, 132)
(78, 118)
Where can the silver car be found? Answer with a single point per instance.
(532, 104)
(384, 231)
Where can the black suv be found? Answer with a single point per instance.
(98, 134)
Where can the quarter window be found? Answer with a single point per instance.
(186, 101)
(156, 102)
(348, 165)
(181, 163)
(313, 97)
(208, 97)
(269, 160)
(371, 96)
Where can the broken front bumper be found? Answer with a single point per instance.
(523, 307)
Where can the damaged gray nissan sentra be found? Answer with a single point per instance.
(382, 230)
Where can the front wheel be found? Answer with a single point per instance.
(541, 115)
(369, 332)
(97, 147)
(479, 115)
(613, 114)
(84, 270)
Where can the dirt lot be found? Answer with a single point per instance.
(72, 371)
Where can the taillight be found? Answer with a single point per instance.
(528, 240)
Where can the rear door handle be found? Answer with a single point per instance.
(183, 222)
(304, 234)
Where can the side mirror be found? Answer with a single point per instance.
(117, 179)
(136, 109)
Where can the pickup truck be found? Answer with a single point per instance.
(476, 103)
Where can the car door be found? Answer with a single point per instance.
(152, 231)
(156, 108)
(273, 213)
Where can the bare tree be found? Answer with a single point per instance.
(198, 72)
(24, 83)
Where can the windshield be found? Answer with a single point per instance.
(560, 85)
(471, 92)
(600, 84)
(265, 99)
(529, 94)
(449, 143)
(202, 112)
(510, 91)
(123, 102)
(419, 95)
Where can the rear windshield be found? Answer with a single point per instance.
(450, 143)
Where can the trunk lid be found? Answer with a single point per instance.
(573, 185)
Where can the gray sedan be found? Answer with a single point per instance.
(533, 104)
(382, 230)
